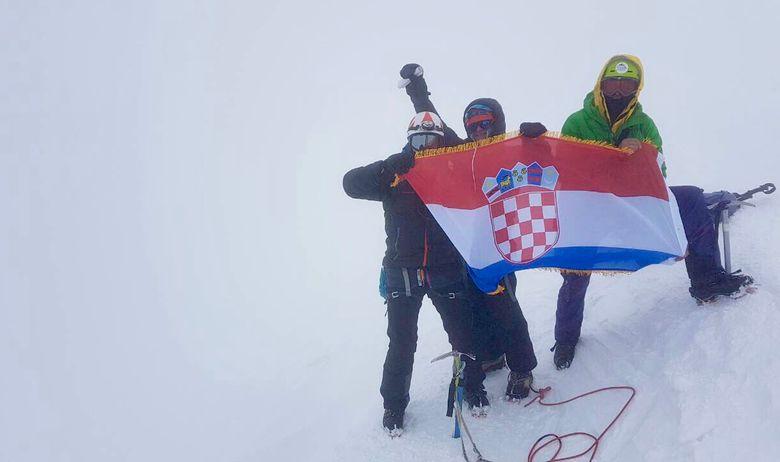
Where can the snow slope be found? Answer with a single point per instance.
(183, 278)
(705, 375)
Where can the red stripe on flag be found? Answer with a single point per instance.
(447, 179)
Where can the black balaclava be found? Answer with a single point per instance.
(616, 106)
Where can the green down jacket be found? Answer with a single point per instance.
(591, 122)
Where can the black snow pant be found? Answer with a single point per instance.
(703, 259)
(448, 291)
(500, 328)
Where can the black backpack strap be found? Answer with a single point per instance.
(510, 288)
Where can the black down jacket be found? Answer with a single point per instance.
(414, 239)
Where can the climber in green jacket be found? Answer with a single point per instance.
(612, 114)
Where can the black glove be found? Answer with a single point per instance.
(532, 129)
(412, 79)
(400, 163)
(411, 70)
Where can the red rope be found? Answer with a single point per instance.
(553, 438)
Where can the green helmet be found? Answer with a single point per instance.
(623, 68)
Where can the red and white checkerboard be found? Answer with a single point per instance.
(525, 226)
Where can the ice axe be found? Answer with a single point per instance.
(455, 395)
(732, 203)
(766, 188)
(455, 401)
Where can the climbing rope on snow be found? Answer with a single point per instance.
(552, 438)
(544, 441)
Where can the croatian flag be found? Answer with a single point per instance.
(548, 202)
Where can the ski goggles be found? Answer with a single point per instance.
(482, 124)
(619, 88)
(420, 141)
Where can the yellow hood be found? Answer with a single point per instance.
(598, 98)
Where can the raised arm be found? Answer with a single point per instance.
(413, 81)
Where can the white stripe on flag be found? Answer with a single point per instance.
(586, 219)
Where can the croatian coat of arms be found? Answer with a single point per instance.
(523, 211)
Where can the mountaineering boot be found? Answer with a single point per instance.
(519, 384)
(477, 401)
(393, 421)
(564, 355)
(494, 364)
(719, 283)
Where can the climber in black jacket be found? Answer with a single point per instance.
(419, 260)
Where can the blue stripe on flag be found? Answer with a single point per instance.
(573, 258)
